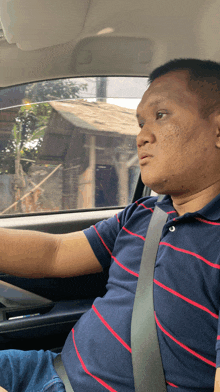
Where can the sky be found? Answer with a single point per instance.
(130, 103)
(121, 91)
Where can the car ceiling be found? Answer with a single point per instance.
(49, 39)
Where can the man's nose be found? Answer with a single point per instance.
(144, 136)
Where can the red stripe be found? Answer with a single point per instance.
(183, 345)
(151, 209)
(134, 234)
(192, 254)
(114, 258)
(218, 337)
(171, 384)
(117, 218)
(125, 268)
(146, 208)
(110, 329)
(86, 370)
(186, 299)
(102, 241)
(209, 222)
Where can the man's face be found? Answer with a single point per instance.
(176, 147)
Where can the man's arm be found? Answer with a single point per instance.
(34, 254)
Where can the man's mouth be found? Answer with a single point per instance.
(144, 158)
(145, 155)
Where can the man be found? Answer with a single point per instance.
(179, 151)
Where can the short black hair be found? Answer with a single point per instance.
(203, 78)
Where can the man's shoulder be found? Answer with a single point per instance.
(140, 206)
(147, 202)
(150, 201)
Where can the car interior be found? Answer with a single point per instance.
(71, 74)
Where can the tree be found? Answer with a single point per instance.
(26, 138)
(29, 127)
(54, 89)
(31, 122)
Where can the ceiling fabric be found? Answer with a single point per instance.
(45, 39)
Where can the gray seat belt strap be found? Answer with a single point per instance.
(59, 367)
(146, 358)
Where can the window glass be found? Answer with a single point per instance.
(69, 144)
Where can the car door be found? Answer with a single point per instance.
(68, 160)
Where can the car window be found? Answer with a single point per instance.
(68, 144)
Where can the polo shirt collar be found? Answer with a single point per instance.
(211, 211)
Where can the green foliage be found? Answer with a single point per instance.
(54, 89)
(32, 119)
(27, 135)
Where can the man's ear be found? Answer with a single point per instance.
(217, 128)
(218, 138)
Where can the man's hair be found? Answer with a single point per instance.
(203, 79)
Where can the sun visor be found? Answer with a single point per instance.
(101, 55)
(25, 25)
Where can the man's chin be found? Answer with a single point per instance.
(157, 185)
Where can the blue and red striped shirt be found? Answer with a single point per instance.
(97, 353)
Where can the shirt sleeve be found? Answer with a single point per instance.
(103, 234)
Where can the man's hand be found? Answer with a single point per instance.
(217, 380)
(2, 390)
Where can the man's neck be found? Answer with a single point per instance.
(194, 202)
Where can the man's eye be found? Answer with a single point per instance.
(160, 115)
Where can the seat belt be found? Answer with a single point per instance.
(60, 369)
(146, 358)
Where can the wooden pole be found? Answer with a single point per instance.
(92, 166)
(32, 190)
(123, 180)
